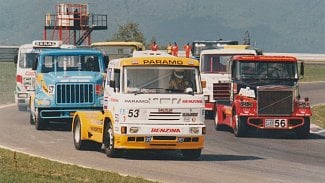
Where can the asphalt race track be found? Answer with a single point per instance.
(261, 157)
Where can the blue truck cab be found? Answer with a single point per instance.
(66, 80)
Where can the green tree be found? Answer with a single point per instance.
(129, 32)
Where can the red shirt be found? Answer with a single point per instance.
(154, 47)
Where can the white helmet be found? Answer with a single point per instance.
(179, 74)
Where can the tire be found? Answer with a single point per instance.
(303, 131)
(217, 126)
(240, 127)
(40, 123)
(109, 142)
(78, 143)
(191, 154)
(31, 119)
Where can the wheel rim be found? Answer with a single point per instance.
(110, 136)
(77, 133)
(236, 123)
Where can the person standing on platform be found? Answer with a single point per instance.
(187, 49)
(175, 49)
(154, 46)
(169, 48)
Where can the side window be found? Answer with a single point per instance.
(117, 80)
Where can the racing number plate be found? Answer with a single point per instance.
(276, 123)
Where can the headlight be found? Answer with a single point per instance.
(302, 104)
(22, 95)
(43, 102)
(134, 130)
(194, 130)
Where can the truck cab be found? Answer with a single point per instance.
(265, 95)
(25, 76)
(146, 108)
(214, 72)
(66, 80)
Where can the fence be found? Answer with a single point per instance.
(7, 82)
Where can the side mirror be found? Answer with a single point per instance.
(106, 61)
(302, 69)
(16, 59)
(34, 66)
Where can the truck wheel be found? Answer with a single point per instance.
(216, 125)
(40, 123)
(109, 142)
(191, 154)
(31, 119)
(78, 143)
(303, 131)
(240, 126)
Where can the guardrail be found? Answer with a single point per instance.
(309, 57)
(8, 53)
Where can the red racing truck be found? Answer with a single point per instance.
(264, 94)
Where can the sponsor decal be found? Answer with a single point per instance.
(30, 73)
(190, 114)
(165, 130)
(247, 92)
(113, 100)
(96, 129)
(163, 110)
(168, 62)
(192, 101)
(143, 101)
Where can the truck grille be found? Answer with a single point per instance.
(275, 102)
(75, 93)
(221, 91)
(164, 115)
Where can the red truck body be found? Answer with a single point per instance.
(260, 98)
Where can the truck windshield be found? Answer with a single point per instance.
(213, 63)
(70, 63)
(161, 80)
(268, 70)
(26, 59)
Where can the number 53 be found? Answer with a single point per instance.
(133, 113)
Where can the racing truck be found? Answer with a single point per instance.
(264, 94)
(199, 45)
(141, 111)
(213, 68)
(67, 80)
(25, 76)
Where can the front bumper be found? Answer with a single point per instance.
(158, 142)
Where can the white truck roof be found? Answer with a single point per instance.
(229, 51)
(147, 53)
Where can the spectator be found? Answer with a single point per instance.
(76, 18)
(169, 48)
(175, 49)
(187, 49)
(154, 46)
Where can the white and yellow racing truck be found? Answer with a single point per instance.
(142, 110)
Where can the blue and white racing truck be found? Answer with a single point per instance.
(66, 81)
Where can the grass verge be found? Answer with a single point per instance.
(318, 116)
(18, 167)
(314, 72)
